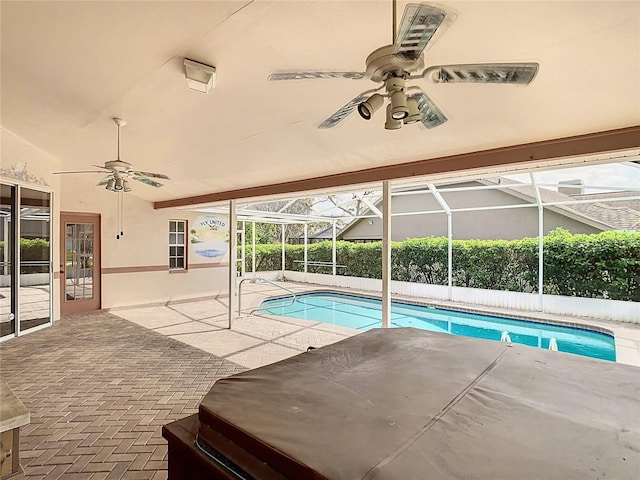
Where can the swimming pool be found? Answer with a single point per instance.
(363, 313)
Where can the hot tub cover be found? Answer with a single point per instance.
(405, 404)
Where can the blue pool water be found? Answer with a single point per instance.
(364, 313)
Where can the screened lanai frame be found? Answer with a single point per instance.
(374, 196)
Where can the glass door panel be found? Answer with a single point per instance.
(7, 295)
(79, 261)
(35, 259)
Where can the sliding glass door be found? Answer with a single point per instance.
(35, 259)
(7, 285)
(25, 253)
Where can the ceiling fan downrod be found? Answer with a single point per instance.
(393, 21)
(120, 123)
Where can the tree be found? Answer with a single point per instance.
(331, 205)
(272, 232)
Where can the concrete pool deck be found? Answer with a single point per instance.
(258, 339)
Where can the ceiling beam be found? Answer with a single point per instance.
(588, 144)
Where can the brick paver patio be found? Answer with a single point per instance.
(99, 389)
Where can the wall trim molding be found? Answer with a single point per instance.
(158, 268)
(209, 265)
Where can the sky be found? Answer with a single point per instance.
(618, 175)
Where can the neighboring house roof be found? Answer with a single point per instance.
(614, 215)
(618, 215)
(327, 233)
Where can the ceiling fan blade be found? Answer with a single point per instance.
(346, 109)
(430, 115)
(101, 166)
(151, 174)
(516, 73)
(104, 180)
(419, 25)
(148, 181)
(79, 171)
(305, 75)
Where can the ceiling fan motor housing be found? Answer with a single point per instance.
(385, 62)
(118, 165)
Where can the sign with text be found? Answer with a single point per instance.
(209, 236)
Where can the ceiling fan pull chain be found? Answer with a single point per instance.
(117, 215)
(122, 214)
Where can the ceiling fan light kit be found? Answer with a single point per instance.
(395, 87)
(370, 106)
(399, 109)
(119, 184)
(393, 65)
(391, 123)
(414, 113)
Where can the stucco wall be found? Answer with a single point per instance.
(504, 224)
(135, 267)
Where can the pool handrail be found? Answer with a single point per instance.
(263, 280)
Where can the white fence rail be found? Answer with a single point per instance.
(26, 279)
(573, 306)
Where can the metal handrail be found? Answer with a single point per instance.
(263, 280)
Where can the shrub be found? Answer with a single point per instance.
(32, 250)
(605, 265)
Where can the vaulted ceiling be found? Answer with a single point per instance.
(69, 67)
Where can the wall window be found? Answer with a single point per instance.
(177, 244)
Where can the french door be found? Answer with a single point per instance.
(80, 262)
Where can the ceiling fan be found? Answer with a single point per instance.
(393, 65)
(120, 171)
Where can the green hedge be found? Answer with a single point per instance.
(32, 250)
(605, 265)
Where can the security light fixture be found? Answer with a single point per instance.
(200, 77)
(367, 108)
